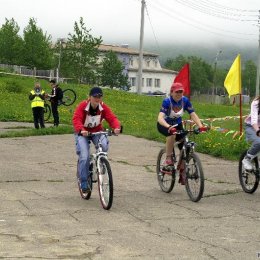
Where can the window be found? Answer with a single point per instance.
(131, 61)
(149, 82)
(157, 83)
(148, 63)
(155, 63)
(132, 82)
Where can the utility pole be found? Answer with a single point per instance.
(61, 41)
(140, 64)
(258, 63)
(215, 74)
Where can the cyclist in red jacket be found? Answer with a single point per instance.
(88, 118)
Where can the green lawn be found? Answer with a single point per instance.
(138, 114)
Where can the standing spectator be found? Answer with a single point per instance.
(37, 96)
(55, 98)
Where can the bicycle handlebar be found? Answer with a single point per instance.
(108, 132)
(195, 131)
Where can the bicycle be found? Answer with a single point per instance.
(188, 167)
(69, 97)
(249, 179)
(100, 172)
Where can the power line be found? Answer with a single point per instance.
(214, 12)
(212, 4)
(157, 43)
(192, 22)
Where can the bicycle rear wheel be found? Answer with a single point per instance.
(69, 97)
(85, 196)
(249, 180)
(47, 112)
(194, 177)
(166, 179)
(105, 184)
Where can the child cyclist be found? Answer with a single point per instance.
(252, 133)
(170, 114)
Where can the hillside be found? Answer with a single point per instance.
(206, 51)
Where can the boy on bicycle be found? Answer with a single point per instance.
(87, 118)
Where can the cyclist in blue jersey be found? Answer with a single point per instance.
(170, 114)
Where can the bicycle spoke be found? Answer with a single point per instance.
(105, 184)
(249, 180)
(165, 175)
(194, 178)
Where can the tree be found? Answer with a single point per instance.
(177, 63)
(80, 56)
(249, 78)
(111, 72)
(10, 43)
(37, 47)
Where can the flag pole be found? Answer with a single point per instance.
(240, 105)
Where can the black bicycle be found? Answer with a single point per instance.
(69, 97)
(249, 179)
(100, 172)
(187, 165)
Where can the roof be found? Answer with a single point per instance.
(156, 70)
(123, 49)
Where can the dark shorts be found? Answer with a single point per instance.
(164, 131)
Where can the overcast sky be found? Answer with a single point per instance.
(118, 21)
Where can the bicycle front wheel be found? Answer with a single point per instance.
(249, 180)
(194, 177)
(105, 184)
(47, 112)
(165, 177)
(69, 97)
(85, 196)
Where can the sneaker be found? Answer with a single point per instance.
(247, 163)
(168, 162)
(86, 190)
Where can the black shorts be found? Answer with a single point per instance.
(164, 131)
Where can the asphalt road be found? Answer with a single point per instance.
(42, 215)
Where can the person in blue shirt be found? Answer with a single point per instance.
(170, 114)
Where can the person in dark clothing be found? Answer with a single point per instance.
(55, 99)
(37, 96)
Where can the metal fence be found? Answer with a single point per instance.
(22, 70)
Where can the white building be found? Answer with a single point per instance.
(154, 77)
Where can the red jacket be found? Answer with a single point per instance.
(82, 120)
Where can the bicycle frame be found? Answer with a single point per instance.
(188, 146)
(96, 156)
(188, 166)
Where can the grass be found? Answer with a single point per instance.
(138, 115)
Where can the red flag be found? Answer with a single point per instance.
(184, 78)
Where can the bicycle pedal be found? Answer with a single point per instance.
(168, 172)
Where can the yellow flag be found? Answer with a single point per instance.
(233, 79)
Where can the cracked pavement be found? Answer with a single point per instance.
(42, 215)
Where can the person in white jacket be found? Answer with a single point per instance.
(252, 132)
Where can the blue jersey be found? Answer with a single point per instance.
(173, 110)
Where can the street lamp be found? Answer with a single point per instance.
(215, 73)
(60, 41)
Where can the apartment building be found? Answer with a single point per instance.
(154, 77)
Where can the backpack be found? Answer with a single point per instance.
(59, 93)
